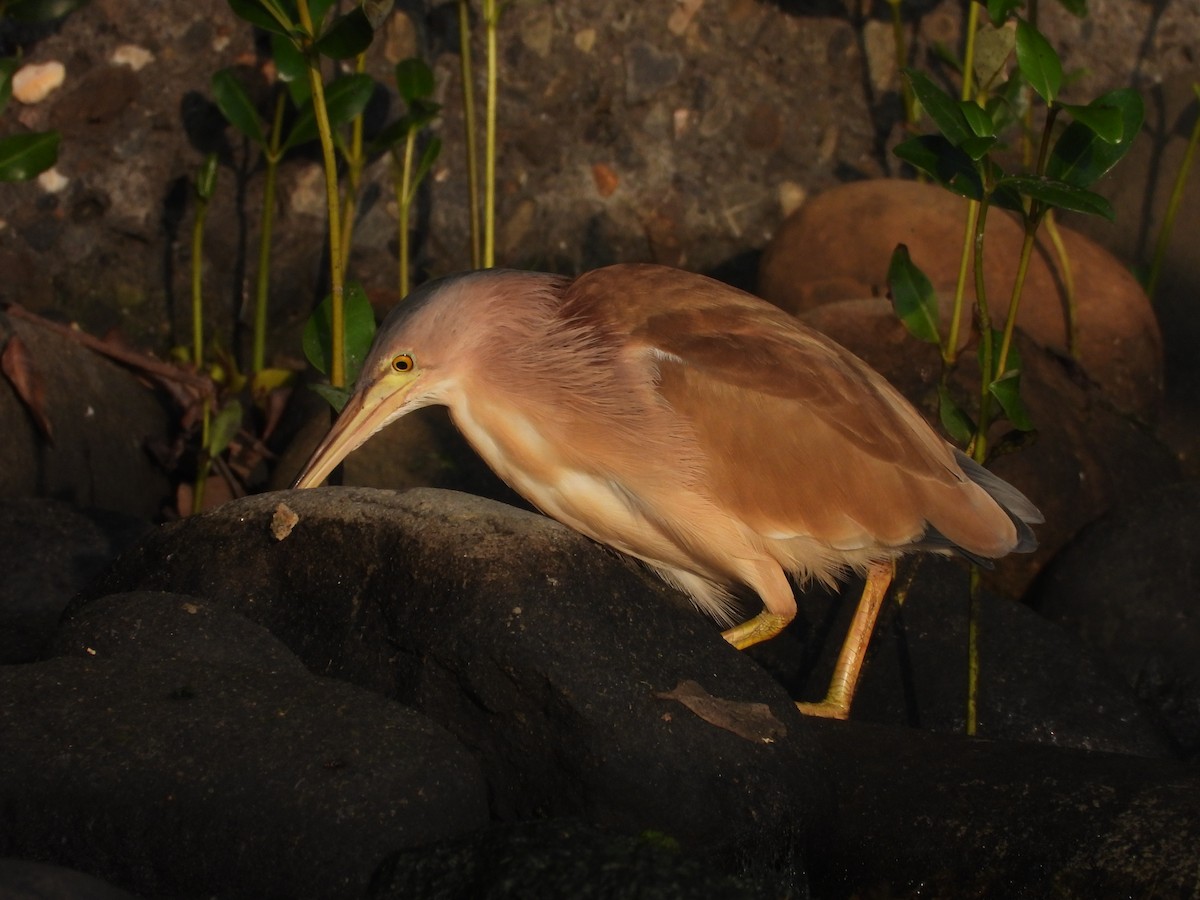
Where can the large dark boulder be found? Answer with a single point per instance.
(177, 749)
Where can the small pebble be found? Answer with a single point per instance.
(35, 82)
(52, 181)
(137, 58)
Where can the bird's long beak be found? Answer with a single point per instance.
(368, 410)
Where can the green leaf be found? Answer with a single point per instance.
(1059, 194)
(347, 36)
(977, 147)
(25, 156)
(977, 118)
(335, 397)
(360, 332)
(1038, 62)
(1077, 8)
(1080, 157)
(318, 10)
(954, 418)
(224, 427)
(941, 107)
(1007, 390)
(913, 297)
(291, 68)
(345, 98)
(1106, 121)
(40, 10)
(257, 13)
(1000, 10)
(432, 150)
(414, 79)
(236, 106)
(946, 164)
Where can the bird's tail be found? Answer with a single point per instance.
(1018, 507)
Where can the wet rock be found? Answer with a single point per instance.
(1128, 586)
(101, 419)
(49, 551)
(174, 748)
(838, 245)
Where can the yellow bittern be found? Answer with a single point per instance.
(692, 426)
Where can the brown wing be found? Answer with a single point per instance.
(799, 436)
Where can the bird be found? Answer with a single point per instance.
(693, 426)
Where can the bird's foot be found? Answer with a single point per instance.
(826, 709)
(761, 628)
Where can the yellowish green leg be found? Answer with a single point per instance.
(836, 704)
(761, 628)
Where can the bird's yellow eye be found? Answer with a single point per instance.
(402, 363)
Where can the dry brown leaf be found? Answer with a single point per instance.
(752, 721)
(18, 367)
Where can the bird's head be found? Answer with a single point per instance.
(428, 348)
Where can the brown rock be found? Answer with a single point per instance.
(101, 418)
(838, 245)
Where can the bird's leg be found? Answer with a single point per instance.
(836, 704)
(779, 605)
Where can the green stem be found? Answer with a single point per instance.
(198, 342)
(404, 202)
(968, 85)
(355, 160)
(197, 284)
(950, 348)
(978, 448)
(1068, 274)
(263, 285)
(901, 48)
(337, 366)
(1014, 302)
(1164, 232)
(491, 17)
(468, 99)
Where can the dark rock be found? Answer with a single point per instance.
(922, 815)
(586, 691)
(560, 858)
(24, 880)
(102, 418)
(545, 653)
(1128, 586)
(179, 750)
(49, 551)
